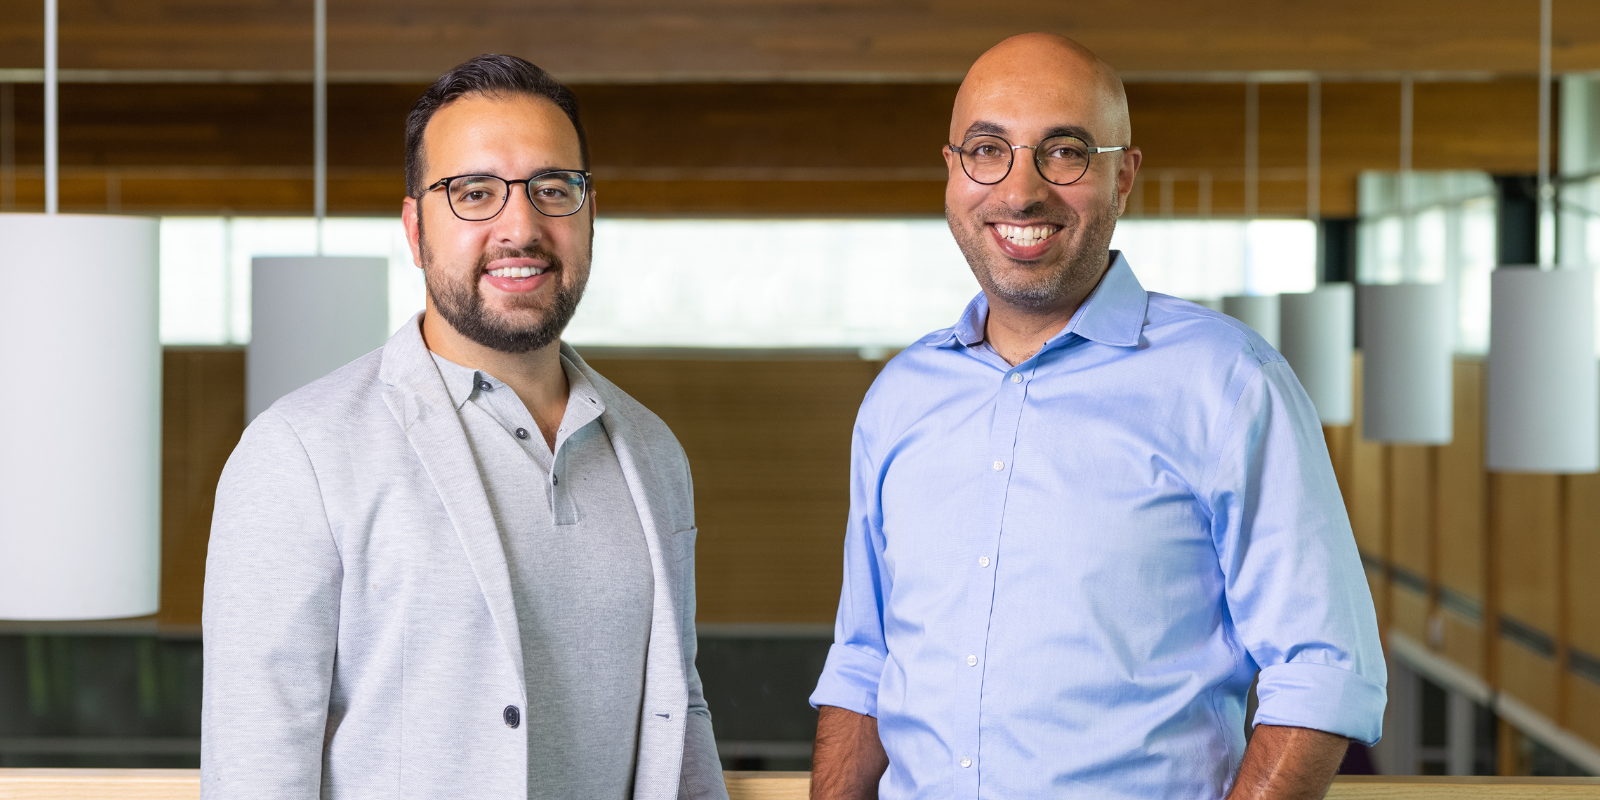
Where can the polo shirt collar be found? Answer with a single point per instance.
(461, 382)
(1112, 315)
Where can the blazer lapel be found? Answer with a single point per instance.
(417, 397)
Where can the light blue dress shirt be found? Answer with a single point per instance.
(1060, 577)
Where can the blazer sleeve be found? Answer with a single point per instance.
(702, 769)
(270, 622)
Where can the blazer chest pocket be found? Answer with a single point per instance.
(681, 543)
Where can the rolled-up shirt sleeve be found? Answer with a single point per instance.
(1295, 589)
(855, 661)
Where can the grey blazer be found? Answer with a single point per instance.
(360, 636)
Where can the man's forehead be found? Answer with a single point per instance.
(477, 126)
(1026, 111)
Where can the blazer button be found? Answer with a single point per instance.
(512, 717)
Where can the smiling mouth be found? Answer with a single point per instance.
(1026, 235)
(517, 272)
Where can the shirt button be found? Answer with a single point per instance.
(512, 717)
(1016, 377)
(966, 762)
(555, 480)
(999, 465)
(484, 385)
(972, 661)
(522, 433)
(983, 561)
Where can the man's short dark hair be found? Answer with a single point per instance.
(492, 75)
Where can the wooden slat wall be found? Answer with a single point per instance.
(769, 444)
(739, 148)
(1461, 529)
(640, 39)
(202, 417)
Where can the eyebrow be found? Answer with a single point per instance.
(982, 127)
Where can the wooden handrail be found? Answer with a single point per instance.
(184, 784)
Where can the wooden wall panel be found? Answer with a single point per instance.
(1583, 564)
(1340, 439)
(741, 148)
(1463, 641)
(1366, 478)
(769, 444)
(1462, 487)
(1408, 611)
(202, 417)
(1531, 678)
(1411, 507)
(636, 39)
(1526, 557)
(1583, 715)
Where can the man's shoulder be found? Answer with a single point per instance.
(336, 402)
(1192, 331)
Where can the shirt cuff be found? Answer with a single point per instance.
(849, 681)
(1321, 697)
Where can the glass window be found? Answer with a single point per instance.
(730, 283)
(1432, 227)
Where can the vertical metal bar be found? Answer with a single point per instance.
(1546, 251)
(1314, 149)
(8, 146)
(52, 154)
(1252, 148)
(320, 116)
(1408, 232)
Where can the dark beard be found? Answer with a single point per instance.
(461, 304)
(1079, 267)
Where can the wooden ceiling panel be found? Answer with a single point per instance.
(634, 39)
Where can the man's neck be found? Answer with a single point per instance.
(1016, 332)
(536, 376)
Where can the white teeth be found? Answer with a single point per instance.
(1026, 237)
(516, 272)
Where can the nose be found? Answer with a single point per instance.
(1023, 186)
(519, 223)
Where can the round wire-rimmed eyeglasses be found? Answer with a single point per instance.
(476, 198)
(1061, 160)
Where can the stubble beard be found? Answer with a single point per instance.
(461, 303)
(1076, 267)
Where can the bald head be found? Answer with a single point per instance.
(1034, 71)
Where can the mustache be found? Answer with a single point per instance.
(533, 251)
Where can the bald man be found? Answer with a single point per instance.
(1084, 517)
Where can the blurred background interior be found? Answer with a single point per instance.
(770, 231)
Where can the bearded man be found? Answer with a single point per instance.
(463, 565)
(1083, 518)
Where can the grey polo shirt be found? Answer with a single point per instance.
(580, 577)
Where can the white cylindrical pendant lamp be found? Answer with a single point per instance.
(1544, 390)
(1406, 346)
(80, 420)
(1260, 312)
(1316, 335)
(308, 317)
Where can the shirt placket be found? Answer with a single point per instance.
(982, 564)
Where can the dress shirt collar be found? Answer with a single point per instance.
(1113, 314)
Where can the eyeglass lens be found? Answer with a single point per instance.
(475, 198)
(1061, 159)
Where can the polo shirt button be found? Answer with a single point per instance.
(966, 762)
(484, 385)
(512, 717)
(522, 433)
